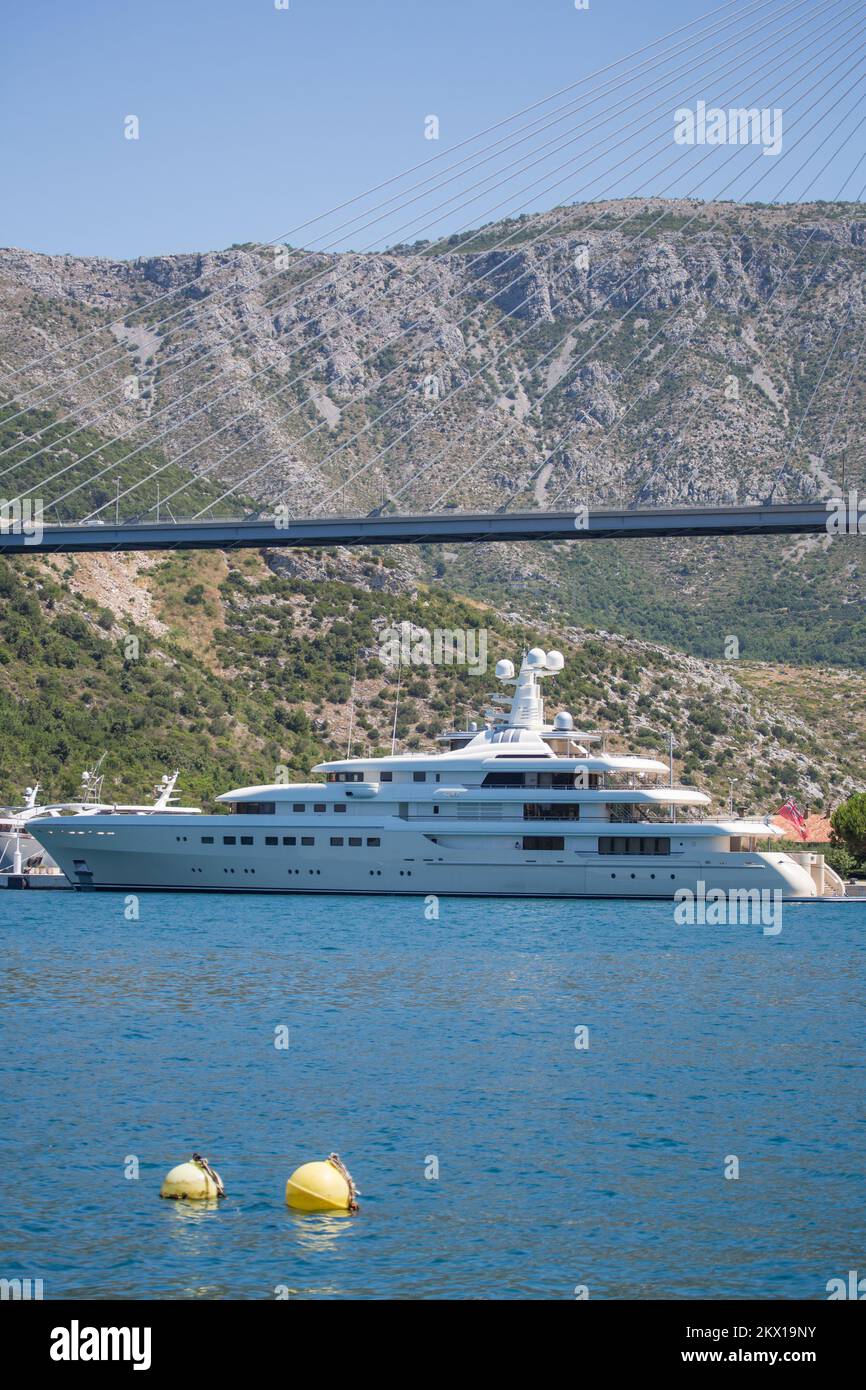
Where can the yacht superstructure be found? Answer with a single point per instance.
(519, 807)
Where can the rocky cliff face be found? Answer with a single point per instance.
(641, 351)
(634, 351)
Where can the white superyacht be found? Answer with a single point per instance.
(518, 808)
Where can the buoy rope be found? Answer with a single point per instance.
(337, 1162)
(215, 1178)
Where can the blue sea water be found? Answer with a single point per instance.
(412, 1040)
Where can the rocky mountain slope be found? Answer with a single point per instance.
(641, 351)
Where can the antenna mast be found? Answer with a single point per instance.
(352, 709)
(397, 700)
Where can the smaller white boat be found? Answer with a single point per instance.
(24, 863)
(19, 852)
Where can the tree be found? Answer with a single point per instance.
(840, 859)
(849, 825)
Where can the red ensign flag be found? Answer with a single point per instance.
(791, 812)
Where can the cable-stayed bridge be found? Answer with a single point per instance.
(776, 519)
(202, 453)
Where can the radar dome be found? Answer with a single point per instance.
(505, 670)
(563, 720)
(555, 661)
(536, 657)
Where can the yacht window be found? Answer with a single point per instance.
(229, 840)
(340, 807)
(345, 777)
(272, 839)
(546, 810)
(336, 840)
(319, 806)
(386, 776)
(255, 808)
(435, 810)
(246, 839)
(419, 776)
(355, 840)
(307, 840)
(207, 839)
(543, 842)
(633, 844)
(289, 840)
(298, 806)
(503, 779)
(373, 842)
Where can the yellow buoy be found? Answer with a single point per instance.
(195, 1181)
(326, 1186)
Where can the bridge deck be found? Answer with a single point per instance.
(387, 529)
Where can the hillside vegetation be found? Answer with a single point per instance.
(239, 669)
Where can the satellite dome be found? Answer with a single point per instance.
(555, 661)
(505, 670)
(563, 720)
(536, 657)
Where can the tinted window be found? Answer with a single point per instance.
(549, 810)
(633, 844)
(543, 842)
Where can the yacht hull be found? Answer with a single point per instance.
(149, 856)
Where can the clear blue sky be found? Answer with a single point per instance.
(253, 119)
